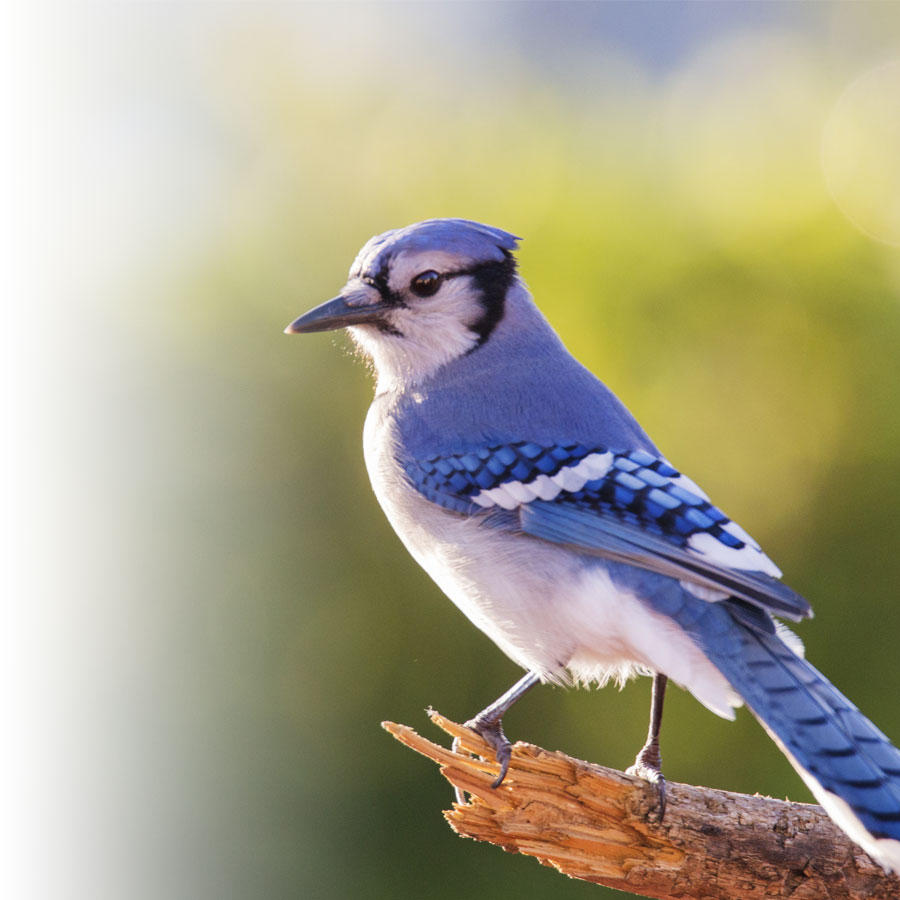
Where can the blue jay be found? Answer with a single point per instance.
(537, 503)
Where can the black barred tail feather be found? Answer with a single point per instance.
(851, 768)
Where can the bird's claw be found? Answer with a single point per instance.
(491, 732)
(456, 747)
(650, 772)
(503, 755)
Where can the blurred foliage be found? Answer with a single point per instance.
(679, 232)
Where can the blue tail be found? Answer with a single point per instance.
(850, 766)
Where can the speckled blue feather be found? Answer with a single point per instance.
(817, 724)
(637, 512)
(638, 489)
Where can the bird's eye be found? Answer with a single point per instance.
(425, 284)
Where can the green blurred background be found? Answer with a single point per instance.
(218, 616)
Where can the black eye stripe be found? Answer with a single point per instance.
(492, 278)
(380, 283)
(379, 279)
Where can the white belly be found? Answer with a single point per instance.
(539, 603)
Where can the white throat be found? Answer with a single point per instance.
(429, 337)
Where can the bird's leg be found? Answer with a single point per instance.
(488, 724)
(648, 763)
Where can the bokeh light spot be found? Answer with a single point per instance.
(861, 153)
(742, 125)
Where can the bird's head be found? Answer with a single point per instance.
(421, 296)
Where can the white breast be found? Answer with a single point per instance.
(539, 603)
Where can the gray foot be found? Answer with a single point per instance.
(647, 767)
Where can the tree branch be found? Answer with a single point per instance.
(591, 823)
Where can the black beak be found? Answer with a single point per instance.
(337, 313)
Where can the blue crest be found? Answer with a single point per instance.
(471, 241)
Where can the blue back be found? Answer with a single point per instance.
(460, 407)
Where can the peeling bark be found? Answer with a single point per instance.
(594, 823)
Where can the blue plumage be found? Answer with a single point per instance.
(638, 487)
(543, 510)
(823, 731)
(463, 239)
(820, 728)
(632, 510)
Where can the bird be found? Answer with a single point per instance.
(533, 498)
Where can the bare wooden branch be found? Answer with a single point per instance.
(593, 823)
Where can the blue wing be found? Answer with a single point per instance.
(635, 508)
(625, 505)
